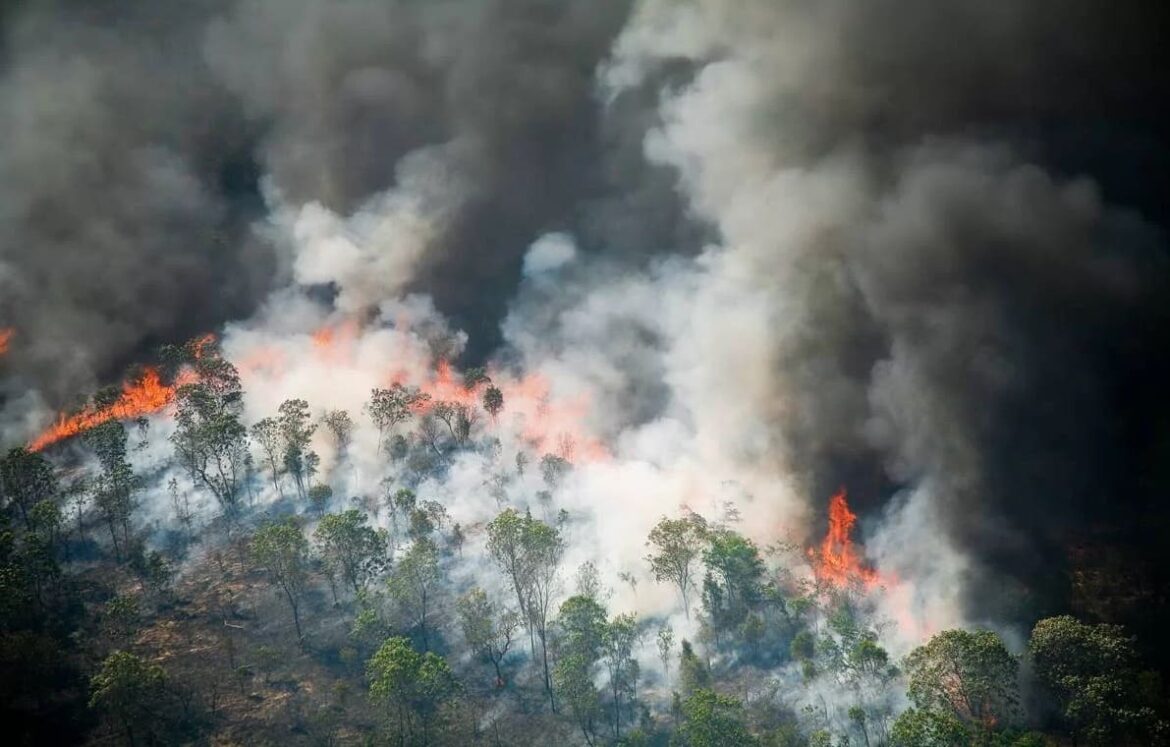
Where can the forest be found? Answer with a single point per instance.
(585, 373)
(293, 613)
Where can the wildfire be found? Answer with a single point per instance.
(144, 396)
(547, 424)
(6, 334)
(837, 562)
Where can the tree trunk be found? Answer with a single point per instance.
(547, 676)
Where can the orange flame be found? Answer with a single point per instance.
(547, 424)
(836, 562)
(6, 334)
(142, 397)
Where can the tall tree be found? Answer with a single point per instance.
(413, 685)
(580, 637)
(26, 479)
(493, 401)
(734, 573)
(489, 631)
(618, 642)
(389, 407)
(115, 486)
(210, 439)
(128, 689)
(266, 432)
(529, 552)
(966, 674)
(675, 547)
(415, 582)
(296, 429)
(283, 551)
(353, 550)
(1093, 671)
(340, 426)
(712, 720)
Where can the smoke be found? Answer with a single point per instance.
(925, 306)
(742, 253)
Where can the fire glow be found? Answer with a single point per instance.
(144, 396)
(836, 561)
(6, 334)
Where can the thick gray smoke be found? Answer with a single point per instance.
(779, 247)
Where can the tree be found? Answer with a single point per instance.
(114, 487)
(967, 674)
(693, 674)
(284, 552)
(580, 628)
(210, 440)
(296, 429)
(489, 631)
(413, 685)
(266, 432)
(732, 583)
(919, 728)
(618, 641)
(340, 426)
(389, 407)
(665, 642)
(553, 469)
(1093, 672)
(127, 689)
(493, 401)
(712, 720)
(353, 550)
(26, 479)
(676, 544)
(319, 497)
(528, 551)
(415, 583)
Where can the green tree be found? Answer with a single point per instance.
(209, 439)
(1093, 671)
(296, 429)
(915, 727)
(415, 583)
(115, 486)
(619, 638)
(676, 544)
(734, 572)
(413, 685)
(319, 497)
(966, 674)
(665, 642)
(283, 551)
(26, 479)
(493, 401)
(121, 617)
(128, 690)
(352, 549)
(580, 636)
(266, 432)
(529, 552)
(693, 674)
(712, 720)
(389, 407)
(488, 630)
(340, 426)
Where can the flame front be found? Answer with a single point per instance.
(145, 396)
(837, 562)
(6, 334)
